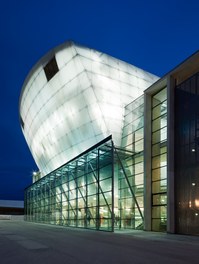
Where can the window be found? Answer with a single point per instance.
(21, 122)
(159, 161)
(51, 69)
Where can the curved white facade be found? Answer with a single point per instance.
(80, 105)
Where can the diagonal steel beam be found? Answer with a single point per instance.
(129, 185)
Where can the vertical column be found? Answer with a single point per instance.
(113, 186)
(76, 194)
(170, 156)
(86, 191)
(98, 194)
(25, 204)
(68, 195)
(61, 201)
(147, 162)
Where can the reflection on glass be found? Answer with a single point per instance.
(186, 155)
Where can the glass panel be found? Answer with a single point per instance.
(159, 97)
(159, 199)
(160, 173)
(159, 186)
(159, 160)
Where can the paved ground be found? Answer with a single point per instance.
(29, 243)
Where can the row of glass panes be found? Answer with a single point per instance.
(134, 116)
(136, 128)
(53, 201)
(159, 160)
(139, 102)
(79, 181)
(75, 194)
(69, 218)
(71, 213)
(72, 204)
(77, 191)
(135, 180)
(78, 212)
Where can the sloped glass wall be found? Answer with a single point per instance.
(131, 167)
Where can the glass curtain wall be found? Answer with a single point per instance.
(159, 160)
(130, 181)
(102, 189)
(187, 156)
(78, 194)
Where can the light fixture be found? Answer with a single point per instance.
(193, 150)
(193, 184)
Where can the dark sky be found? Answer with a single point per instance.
(154, 35)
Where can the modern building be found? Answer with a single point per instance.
(116, 147)
(11, 209)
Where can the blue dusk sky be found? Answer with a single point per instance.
(154, 35)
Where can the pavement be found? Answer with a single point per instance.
(31, 243)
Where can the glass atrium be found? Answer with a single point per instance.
(101, 189)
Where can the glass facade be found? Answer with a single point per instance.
(159, 160)
(187, 156)
(131, 183)
(101, 189)
(78, 194)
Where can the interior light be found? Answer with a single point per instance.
(193, 150)
(197, 202)
(196, 214)
(193, 184)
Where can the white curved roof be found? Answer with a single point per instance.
(79, 106)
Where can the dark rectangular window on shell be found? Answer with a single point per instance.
(21, 122)
(51, 69)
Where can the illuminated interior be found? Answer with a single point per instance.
(94, 191)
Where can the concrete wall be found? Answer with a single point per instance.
(12, 217)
